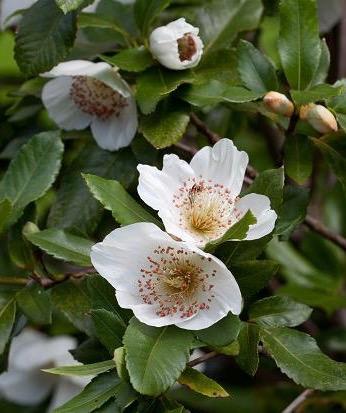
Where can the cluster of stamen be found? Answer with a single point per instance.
(206, 209)
(178, 281)
(187, 47)
(96, 98)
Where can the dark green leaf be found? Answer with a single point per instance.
(320, 92)
(155, 357)
(146, 11)
(221, 333)
(91, 20)
(248, 340)
(200, 383)
(35, 303)
(298, 158)
(114, 198)
(131, 60)
(109, 328)
(298, 356)
(7, 316)
(44, 38)
(255, 70)
(299, 43)
(63, 245)
(338, 107)
(5, 214)
(322, 70)
(83, 369)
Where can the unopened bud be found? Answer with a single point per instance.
(319, 117)
(278, 103)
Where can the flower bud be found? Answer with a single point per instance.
(319, 117)
(177, 45)
(278, 103)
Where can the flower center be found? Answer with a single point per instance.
(187, 47)
(205, 209)
(176, 280)
(96, 98)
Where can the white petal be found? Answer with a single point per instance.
(77, 68)
(117, 131)
(61, 108)
(223, 164)
(259, 205)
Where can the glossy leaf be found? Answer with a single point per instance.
(83, 369)
(320, 92)
(298, 158)
(146, 11)
(35, 303)
(131, 60)
(248, 340)
(109, 329)
(221, 333)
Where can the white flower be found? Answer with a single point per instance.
(176, 45)
(85, 93)
(164, 281)
(24, 383)
(198, 202)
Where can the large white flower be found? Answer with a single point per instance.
(199, 202)
(177, 45)
(24, 382)
(165, 281)
(84, 93)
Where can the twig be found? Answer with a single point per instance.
(298, 401)
(203, 358)
(251, 174)
(13, 280)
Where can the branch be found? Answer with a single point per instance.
(251, 174)
(298, 401)
(203, 358)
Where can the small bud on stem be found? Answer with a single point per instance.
(278, 103)
(319, 117)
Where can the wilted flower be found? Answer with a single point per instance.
(85, 93)
(199, 202)
(24, 383)
(319, 117)
(165, 281)
(278, 103)
(177, 45)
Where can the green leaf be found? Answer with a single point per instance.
(167, 125)
(279, 311)
(255, 70)
(66, 212)
(35, 303)
(146, 11)
(91, 20)
(299, 43)
(298, 158)
(252, 276)
(269, 183)
(155, 357)
(338, 107)
(7, 317)
(63, 245)
(113, 196)
(214, 92)
(83, 369)
(5, 214)
(70, 5)
(322, 70)
(156, 83)
(44, 38)
(71, 298)
(131, 60)
(200, 383)
(120, 363)
(298, 356)
(109, 329)
(248, 340)
(221, 333)
(293, 212)
(33, 170)
(220, 21)
(95, 394)
(317, 93)
(333, 148)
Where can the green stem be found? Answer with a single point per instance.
(10, 280)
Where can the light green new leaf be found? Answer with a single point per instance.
(44, 38)
(298, 158)
(299, 43)
(70, 5)
(200, 383)
(155, 357)
(33, 170)
(63, 245)
(146, 11)
(113, 197)
(7, 317)
(221, 333)
(81, 370)
(248, 340)
(94, 395)
(255, 70)
(131, 60)
(279, 311)
(298, 356)
(35, 303)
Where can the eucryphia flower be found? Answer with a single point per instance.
(176, 45)
(164, 281)
(24, 383)
(84, 93)
(199, 202)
